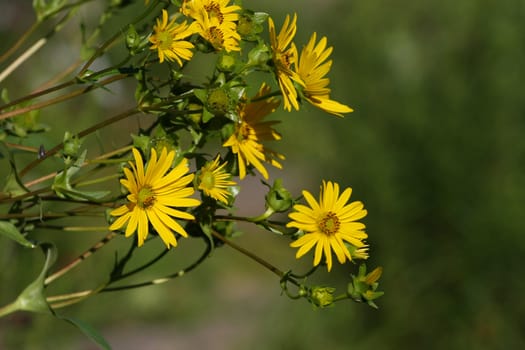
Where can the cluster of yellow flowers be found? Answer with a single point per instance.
(207, 75)
(330, 224)
(215, 21)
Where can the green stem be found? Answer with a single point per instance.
(39, 216)
(99, 180)
(75, 228)
(25, 195)
(253, 220)
(162, 280)
(102, 159)
(143, 267)
(262, 217)
(8, 309)
(73, 298)
(37, 94)
(249, 254)
(344, 297)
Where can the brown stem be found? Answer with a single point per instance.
(61, 98)
(80, 258)
(20, 41)
(83, 133)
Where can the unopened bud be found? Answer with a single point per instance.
(322, 296)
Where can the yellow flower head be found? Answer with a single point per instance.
(218, 11)
(168, 40)
(328, 224)
(152, 196)
(220, 37)
(214, 180)
(284, 56)
(215, 22)
(312, 68)
(251, 131)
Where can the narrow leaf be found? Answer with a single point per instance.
(91, 332)
(9, 230)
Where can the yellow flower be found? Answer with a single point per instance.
(284, 58)
(168, 40)
(152, 196)
(220, 37)
(215, 22)
(312, 68)
(251, 131)
(328, 224)
(214, 180)
(218, 11)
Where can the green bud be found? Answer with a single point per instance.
(163, 142)
(373, 276)
(227, 61)
(278, 198)
(322, 296)
(218, 101)
(364, 286)
(259, 55)
(132, 40)
(72, 145)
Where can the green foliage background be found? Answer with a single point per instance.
(435, 150)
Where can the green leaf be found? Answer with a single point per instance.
(13, 186)
(62, 184)
(9, 230)
(32, 297)
(85, 328)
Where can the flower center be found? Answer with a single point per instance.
(207, 180)
(285, 59)
(216, 37)
(245, 132)
(329, 223)
(146, 198)
(214, 10)
(165, 39)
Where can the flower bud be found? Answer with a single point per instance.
(364, 286)
(72, 145)
(259, 55)
(227, 62)
(322, 296)
(134, 42)
(218, 101)
(278, 198)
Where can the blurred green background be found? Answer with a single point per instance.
(435, 150)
